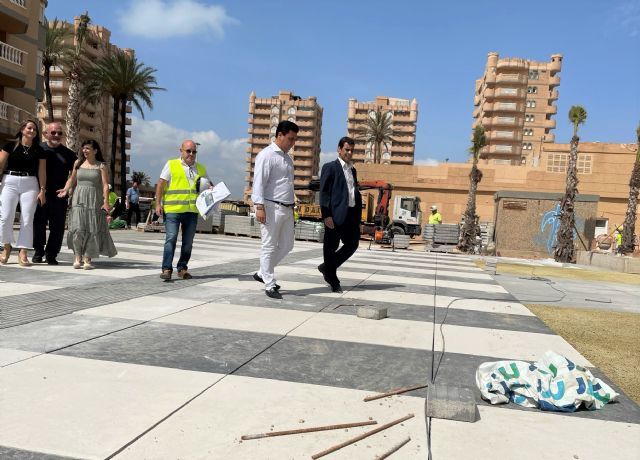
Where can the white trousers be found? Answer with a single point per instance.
(277, 240)
(14, 190)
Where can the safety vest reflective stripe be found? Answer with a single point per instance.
(181, 195)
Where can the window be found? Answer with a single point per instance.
(529, 118)
(533, 75)
(291, 111)
(528, 132)
(40, 66)
(274, 120)
(273, 129)
(275, 109)
(527, 146)
(531, 104)
(508, 92)
(532, 90)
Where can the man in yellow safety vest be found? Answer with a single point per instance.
(435, 217)
(176, 195)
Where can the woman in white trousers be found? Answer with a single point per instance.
(21, 160)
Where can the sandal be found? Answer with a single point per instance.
(24, 261)
(87, 264)
(6, 253)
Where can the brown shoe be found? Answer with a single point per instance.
(185, 275)
(166, 274)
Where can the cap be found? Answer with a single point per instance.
(434, 207)
(110, 187)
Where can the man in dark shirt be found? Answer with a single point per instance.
(60, 162)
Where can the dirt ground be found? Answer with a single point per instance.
(610, 340)
(569, 273)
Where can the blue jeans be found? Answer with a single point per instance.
(172, 223)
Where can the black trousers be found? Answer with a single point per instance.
(54, 214)
(133, 207)
(349, 234)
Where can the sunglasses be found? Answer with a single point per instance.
(56, 133)
(191, 152)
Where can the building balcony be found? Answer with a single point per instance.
(554, 81)
(498, 149)
(303, 163)
(510, 93)
(549, 137)
(405, 128)
(306, 113)
(502, 121)
(551, 109)
(548, 124)
(504, 136)
(258, 131)
(553, 95)
(516, 79)
(260, 121)
(477, 98)
(554, 66)
(402, 148)
(264, 111)
(127, 134)
(515, 64)
(10, 118)
(304, 143)
(13, 17)
(12, 70)
(306, 123)
(302, 154)
(129, 108)
(404, 160)
(127, 121)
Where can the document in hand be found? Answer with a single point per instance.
(207, 200)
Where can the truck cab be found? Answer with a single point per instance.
(407, 217)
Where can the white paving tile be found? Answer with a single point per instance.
(86, 408)
(142, 308)
(507, 434)
(8, 288)
(9, 356)
(240, 317)
(212, 425)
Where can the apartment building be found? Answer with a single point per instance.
(96, 120)
(515, 102)
(404, 115)
(22, 37)
(265, 114)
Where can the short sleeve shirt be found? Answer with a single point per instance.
(23, 159)
(60, 161)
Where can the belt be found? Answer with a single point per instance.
(287, 205)
(18, 173)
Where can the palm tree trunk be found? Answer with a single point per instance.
(114, 140)
(73, 115)
(629, 226)
(47, 92)
(123, 151)
(565, 249)
(469, 229)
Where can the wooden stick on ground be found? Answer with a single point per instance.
(393, 449)
(247, 437)
(397, 391)
(361, 437)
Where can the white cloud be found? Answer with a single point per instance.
(627, 17)
(326, 157)
(427, 162)
(174, 18)
(154, 142)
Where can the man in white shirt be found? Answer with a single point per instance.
(273, 200)
(341, 206)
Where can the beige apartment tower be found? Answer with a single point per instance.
(404, 115)
(96, 120)
(265, 114)
(22, 37)
(515, 102)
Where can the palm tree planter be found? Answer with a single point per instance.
(629, 226)
(470, 226)
(565, 248)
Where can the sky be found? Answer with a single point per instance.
(210, 55)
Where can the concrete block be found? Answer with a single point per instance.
(451, 402)
(371, 312)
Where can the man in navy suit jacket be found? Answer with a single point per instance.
(341, 206)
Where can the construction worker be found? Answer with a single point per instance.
(435, 217)
(618, 238)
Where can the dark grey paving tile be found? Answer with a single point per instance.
(62, 331)
(176, 346)
(9, 453)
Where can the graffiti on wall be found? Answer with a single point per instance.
(551, 219)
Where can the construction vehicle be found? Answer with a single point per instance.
(405, 220)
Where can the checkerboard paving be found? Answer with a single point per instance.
(116, 363)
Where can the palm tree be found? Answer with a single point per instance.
(469, 229)
(75, 65)
(629, 226)
(378, 131)
(54, 50)
(121, 76)
(565, 250)
(141, 178)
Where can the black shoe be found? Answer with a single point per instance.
(336, 288)
(321, 268)
(273, 293)
(259, 279)
(334, 282)
(52, 261)
(37, 260)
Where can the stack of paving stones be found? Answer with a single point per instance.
(204, 225)
(218, 217)
(134, 367)
(441, 237)
(401, 241)
(309, 231)
(486, 232)
(238, 225)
